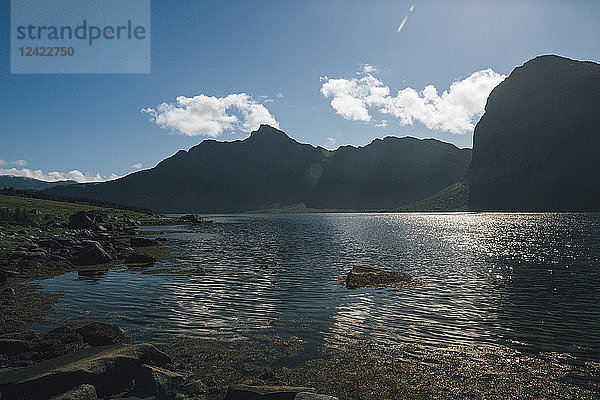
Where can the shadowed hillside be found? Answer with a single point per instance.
(537, 147)
(18, 182)
(271, 168)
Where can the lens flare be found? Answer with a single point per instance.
(412, 7)
(402, 23)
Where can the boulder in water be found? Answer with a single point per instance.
(372, 277)
(91, 254)
(246, 392)
(139, 258)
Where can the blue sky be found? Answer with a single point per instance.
(282, 55)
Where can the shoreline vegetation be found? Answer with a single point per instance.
(42, 238)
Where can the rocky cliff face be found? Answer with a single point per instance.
(537, 147)
(270, 168)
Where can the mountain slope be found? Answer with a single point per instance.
(537, 147)
(18, 182)
(271, 168)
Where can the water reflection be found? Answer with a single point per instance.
(527, 280)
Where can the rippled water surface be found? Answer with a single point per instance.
(530, 281)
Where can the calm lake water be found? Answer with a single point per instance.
(530, 281)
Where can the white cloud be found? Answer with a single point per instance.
(382, 124)
(455, 110)
(73, 175)
(368, 69)
(18, 163)
(136, 166)
(210, 116)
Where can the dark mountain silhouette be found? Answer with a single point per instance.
(18, 182)
(537, 147)
(269, 168)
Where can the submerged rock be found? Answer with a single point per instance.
(246, 392)
(139, 258)
(372, 277)
(81, 392)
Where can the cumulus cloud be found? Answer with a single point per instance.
(136, 166)
(53, 176)
(454, 110)
(211, 116)
(18, 163)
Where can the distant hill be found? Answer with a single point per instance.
(270, 169)
(18, 182)
(537, 147)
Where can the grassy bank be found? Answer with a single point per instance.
(39, 218)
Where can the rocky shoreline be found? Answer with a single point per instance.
(94, 360)
(98, 361)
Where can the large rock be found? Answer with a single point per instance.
(81, 392)
(246, 392)
(372, 277)
(101, 334)
(537, 147)
(109, 369)
(82, 220)
(92, 253)
(157, 381)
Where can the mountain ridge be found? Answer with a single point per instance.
(269, 167)
(26, 183)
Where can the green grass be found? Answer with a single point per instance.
(60, 211)
(6, 245)
(39, 212)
